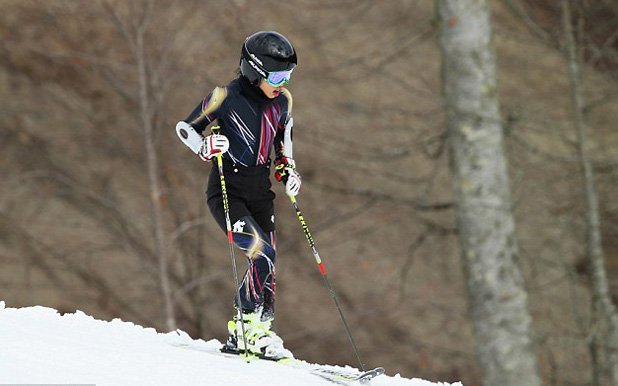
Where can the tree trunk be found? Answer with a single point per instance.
(152, 162)
(498, 299)
(594, 247)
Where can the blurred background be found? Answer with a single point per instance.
(91, 92)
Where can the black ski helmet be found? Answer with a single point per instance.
(264, 52)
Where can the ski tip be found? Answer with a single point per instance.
(345, 377)
(367, 376)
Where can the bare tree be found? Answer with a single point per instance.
(594, 249)
(134, 34)
(498, 299)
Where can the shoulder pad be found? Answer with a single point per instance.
(217, 96)
(215, 101)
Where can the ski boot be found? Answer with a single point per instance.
(261, 340)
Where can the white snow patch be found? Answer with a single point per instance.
(40, 346)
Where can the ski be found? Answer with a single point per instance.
(234, 351)
(338, 375)
(231, 352)
(345, 377)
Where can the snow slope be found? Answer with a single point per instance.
(38, 345)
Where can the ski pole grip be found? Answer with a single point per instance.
(215, 129)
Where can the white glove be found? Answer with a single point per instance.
(285, 171)
(292, 186)
(213, 145)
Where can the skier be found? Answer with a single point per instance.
(254, 115)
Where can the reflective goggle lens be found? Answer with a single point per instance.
(278, 78)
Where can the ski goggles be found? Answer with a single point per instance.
(279, 78)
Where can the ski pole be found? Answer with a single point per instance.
(230, 238)
(324, 274)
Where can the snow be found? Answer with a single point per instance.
(40, 346)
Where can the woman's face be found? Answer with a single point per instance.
(268, 90)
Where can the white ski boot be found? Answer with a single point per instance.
(261, 340)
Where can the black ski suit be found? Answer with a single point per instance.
(254, 125)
